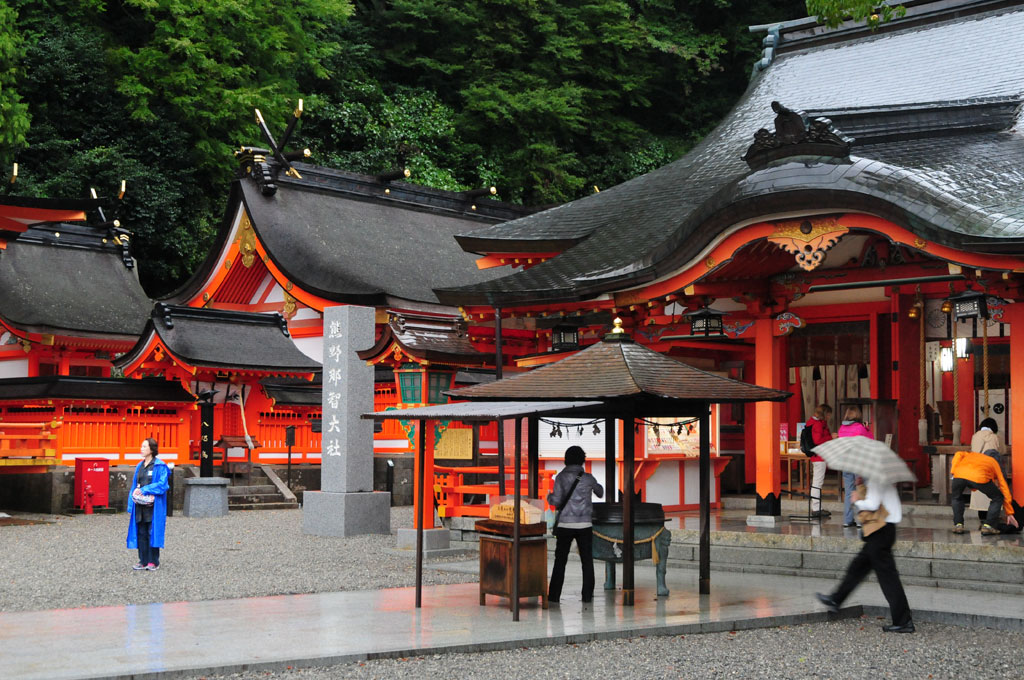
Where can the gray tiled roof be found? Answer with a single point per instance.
(75, 289)
(334, 238)
(946, 185)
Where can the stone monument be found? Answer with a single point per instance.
(346, 504)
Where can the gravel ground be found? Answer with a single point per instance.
(843, 649)
(81, 561)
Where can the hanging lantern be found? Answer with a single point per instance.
(705, 321)
(971, 304)
(565, 339)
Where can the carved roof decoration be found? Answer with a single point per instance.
(795, 135)
(939, 152)
(424, 339)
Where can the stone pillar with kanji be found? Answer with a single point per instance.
(346, 504)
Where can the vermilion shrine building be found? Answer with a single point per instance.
(863, 180)
(827, 236)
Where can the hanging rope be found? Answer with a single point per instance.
(984, 361)
(956, 391)
(922, 423)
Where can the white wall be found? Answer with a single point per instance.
(14, 368)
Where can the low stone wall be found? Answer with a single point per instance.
(952, 565)
(53, 491)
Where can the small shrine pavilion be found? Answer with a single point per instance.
(848, 231)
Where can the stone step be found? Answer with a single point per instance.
(255, 498)
(282, 505)
(255, 488)
(799, 506)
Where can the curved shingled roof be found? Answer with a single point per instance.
(57, 281)
(934, 106)
(359, 239)
(617, 368)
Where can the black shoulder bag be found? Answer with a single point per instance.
(568, 496)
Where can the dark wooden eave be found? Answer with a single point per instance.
(617, 368)
(27, 390)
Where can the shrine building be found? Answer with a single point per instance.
(852, 232)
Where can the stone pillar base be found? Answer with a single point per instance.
(762, 521)
(433, 539)
(206, 497)
(326, 513)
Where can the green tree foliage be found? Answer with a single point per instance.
(14, 119)
(872, 12)
(541, 98)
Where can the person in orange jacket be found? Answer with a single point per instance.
(973, 470)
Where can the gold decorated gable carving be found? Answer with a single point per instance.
(808, 240)
(246, 241)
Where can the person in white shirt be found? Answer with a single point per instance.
(876, 554)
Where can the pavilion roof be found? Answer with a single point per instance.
(214, 338)
(938, 150)
(63, 279)
(619, 368)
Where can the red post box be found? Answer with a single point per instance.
(92, 475)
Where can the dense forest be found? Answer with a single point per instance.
(542, 98)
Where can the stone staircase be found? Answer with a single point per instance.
(262, 490)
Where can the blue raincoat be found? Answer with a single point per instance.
(158, 489)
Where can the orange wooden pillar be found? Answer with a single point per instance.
(906, 381)
(768, 370)
(1014, 315)
(426, 439)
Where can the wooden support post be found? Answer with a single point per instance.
(501, 457)
(767, 372)
(424, 469)
(704, 466)
(533, 455)
(517, 504)
(609, 460)
(1014, 315)
(628, 454)
(421, 454)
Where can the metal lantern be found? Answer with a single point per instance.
(971, 304)
(705, 321)
(565, 338)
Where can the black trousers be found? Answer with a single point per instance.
(585, 544)
(876, 554)
(147, 554)
(990, 489)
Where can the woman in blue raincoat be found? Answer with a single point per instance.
(147, 520)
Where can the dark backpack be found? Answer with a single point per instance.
(807, 441)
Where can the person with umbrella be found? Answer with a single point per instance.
(881, 470)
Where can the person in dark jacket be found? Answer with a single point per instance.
(574, 521)
(819, 434)
(146, 520)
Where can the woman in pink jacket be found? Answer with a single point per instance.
(852, 426)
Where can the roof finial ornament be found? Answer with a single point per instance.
(617, 323)
(794, 135)
(254, 159)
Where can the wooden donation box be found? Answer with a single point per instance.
(496, 544)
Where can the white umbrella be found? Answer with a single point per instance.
(868, 458)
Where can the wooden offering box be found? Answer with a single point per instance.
(496, 560)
